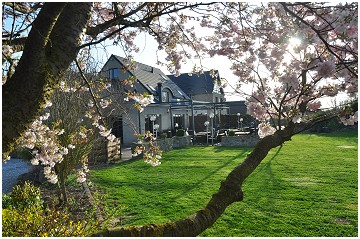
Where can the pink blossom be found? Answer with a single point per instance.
(111, 137)
(314, 105)
(265, 130)
(234, 27)
(350, 120)
(352, 32)
(7, 51)
(297, 118)
(256, 110)
(326, 69)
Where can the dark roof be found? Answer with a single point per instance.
(196, 84)
(150, 76)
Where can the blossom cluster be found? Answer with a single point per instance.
(350, 119)
(95, 117)
(7, 50)
(141, 100)
(82, 172)
(45, 147)
(265, 129)
(151, 153)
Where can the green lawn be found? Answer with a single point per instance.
(308, 187)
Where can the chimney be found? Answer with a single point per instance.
(160, 91)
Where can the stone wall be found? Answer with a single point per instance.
(240, 141)
(180, 142)
(167, 144)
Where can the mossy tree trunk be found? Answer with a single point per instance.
(47, 53)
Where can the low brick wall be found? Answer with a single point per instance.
(240, 141)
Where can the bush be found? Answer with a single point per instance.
(23, 215)
(163, 135)
(231, 133)
(6, 201)
(40, 223)
(180, 132)
(27, 196)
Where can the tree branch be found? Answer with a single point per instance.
(144, 22)
(320, 37)
(17, 44)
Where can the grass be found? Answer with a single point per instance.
(308, 187)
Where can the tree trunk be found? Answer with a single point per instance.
(63, 194)
(46, 55)
(229, 192)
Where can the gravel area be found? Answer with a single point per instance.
(11, 170)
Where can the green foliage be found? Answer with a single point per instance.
(6, 201)
(23, 215)
(231, 133)
(163, 136)
(180, 132)
(43, 223)
(27, 196)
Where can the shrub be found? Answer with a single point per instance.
(6, 201)
(231, 133)
(180, 132)
(163, 136)
(23, 215)
(40, 223)
(26, 196)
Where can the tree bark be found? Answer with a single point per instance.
(51, 46)
(228, 193)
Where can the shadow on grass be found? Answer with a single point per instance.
(342, 133)
(268, 184)
(195, 185)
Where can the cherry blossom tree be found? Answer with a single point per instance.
(301, 53)
(293, 54)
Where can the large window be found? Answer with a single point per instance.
(150, 121)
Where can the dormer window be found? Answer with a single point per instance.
(217, 87)
(165, 96)
(113, 73)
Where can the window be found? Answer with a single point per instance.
(216, 87)
(178, 121)
(165, 96)
(149, 124)
(113, 73)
